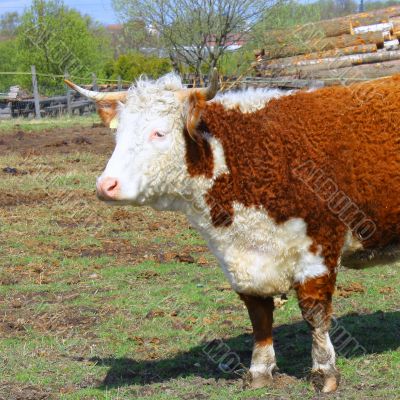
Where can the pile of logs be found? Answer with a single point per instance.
(343, 50)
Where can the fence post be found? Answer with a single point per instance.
(94, 81)
(119, 83)
(35, 92)
(69, 97)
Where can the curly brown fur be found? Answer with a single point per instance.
(350, 133)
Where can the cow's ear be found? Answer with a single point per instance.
(108, 112)
(196, 103)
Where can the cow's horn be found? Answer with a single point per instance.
(212, 89)
(98, 96)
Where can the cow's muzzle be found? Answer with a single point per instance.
(108, 188)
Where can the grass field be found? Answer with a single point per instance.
(100, 302)
(32, 125)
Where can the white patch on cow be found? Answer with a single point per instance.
(258, 256)
(263, 360)
(310, 266)
(219, 157)
(251, 99)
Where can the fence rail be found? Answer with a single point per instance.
(18, 103)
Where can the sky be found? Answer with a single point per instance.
(99, 10)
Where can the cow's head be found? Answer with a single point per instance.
(148, 162)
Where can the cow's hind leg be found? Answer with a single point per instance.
(263, 360)
(315, 301)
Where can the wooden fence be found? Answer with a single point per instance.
(17, 103)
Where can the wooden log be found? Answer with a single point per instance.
(392, 45)
(382, 56)
(395, 23)
(35, 92)
(374, 17)
(365, 20)
(94, 82)
(387, 26)
(386, 36)
(349, 40)
(281, 49)
(376, 20)
(349, 24)
(346, 60)
(311, 66)
(355, 74)
(321, 29)
(395, 27)
(69, 95)
(326, 28)
(360, 49)
(286, 83)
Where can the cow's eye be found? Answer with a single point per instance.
(156, 134)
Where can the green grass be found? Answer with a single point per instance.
(33, 125)
(95, 305)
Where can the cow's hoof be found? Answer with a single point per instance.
(260, 381)
(257, 380)
(325, 382)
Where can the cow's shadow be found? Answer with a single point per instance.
(353, 335)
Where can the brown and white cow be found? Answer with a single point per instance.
(284, 187)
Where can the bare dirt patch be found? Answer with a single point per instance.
(95, 139)
(349, 290)
(66, 321)
(11, 199)
(11, 391)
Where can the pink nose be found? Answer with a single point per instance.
(108, 188)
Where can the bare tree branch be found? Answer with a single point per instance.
(195, 32)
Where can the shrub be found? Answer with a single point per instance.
(130, 66)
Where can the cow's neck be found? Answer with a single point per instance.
(206, 164)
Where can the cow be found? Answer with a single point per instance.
(285, 187)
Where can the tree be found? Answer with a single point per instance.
(286, 14)
(8, 62)
(336, 8)
(195, 32)
(57, 39)
(133, 35)
(8, 48)
(9, 23)
(377, 4)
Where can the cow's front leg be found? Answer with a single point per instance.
(315, 301)
(263, 360)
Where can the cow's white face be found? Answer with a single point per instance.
(149, 145)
